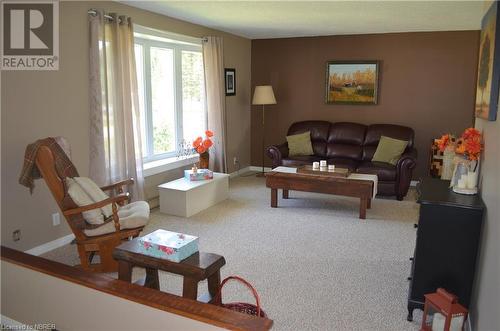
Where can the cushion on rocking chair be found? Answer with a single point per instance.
(132, 215)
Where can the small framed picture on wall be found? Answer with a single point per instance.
(230, 75)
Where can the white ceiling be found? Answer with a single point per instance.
(279, 19)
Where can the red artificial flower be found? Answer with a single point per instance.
(201, 149)
(443, 142)
(473, 146)
(197, 142)
(207, 143)
(209, 133)
(471, 133)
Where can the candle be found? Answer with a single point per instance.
(323, 163)
(472, 179)
(438, 322)
(315, 165)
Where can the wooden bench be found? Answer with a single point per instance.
(195, 268)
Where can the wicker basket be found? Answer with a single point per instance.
(246, 308)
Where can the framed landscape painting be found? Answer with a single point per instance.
(488, 72)
(352, 82)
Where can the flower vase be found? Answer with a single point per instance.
(465, 177)
(447, 169)
(204, 160)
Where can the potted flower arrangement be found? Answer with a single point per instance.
(202, 146)
(468, 150)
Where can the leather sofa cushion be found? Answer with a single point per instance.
(384, 171)
(319, 134)
(344, 163)
(293, 161)
(347, 133)
(344, 150)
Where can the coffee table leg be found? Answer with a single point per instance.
(190, 288)
(213, 285)
(125, 271)
(285, 194)
(274, 198)
(152, 280)
(362, 208)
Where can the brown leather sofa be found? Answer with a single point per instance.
(352, 145)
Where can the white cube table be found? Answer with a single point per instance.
(184, 198)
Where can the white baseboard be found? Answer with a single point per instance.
(47, 247)
(259, 168)
(239, 172)
(9, 323)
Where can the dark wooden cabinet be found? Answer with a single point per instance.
(448, 234)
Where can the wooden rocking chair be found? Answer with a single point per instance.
(88, 245)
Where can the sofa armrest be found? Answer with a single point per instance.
(277, 153)
(404, 170)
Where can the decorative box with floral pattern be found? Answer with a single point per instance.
(169, 245)
(201, 174)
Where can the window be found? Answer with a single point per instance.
(171, 92)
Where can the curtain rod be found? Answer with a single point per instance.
(94, 12)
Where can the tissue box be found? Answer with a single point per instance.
(169, 245)
(202, 174)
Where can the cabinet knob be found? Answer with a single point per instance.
(411, 258)
(415, 225)
(409, 278)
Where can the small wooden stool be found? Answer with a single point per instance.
(195, 268)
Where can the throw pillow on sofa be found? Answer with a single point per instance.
(300, 144)
(389, 150)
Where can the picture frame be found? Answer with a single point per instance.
(352, 82)
(488, 72)
(230, 81)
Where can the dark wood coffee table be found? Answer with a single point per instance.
(195, 268)
(321, 183)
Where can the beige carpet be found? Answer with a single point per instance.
(315, 265)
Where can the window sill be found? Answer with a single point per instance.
(159, 166)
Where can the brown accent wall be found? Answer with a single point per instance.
(427, 82)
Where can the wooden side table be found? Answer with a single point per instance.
(195, 268)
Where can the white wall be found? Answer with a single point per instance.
(486, 308)
(31, 297)
(485, 312)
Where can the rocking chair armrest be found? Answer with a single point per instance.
(99, 204)
(118, 185)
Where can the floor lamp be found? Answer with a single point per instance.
(263, 95)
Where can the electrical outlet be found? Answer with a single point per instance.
(16, 235)
(56, 219)
(235, 160)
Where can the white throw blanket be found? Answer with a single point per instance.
(373, 178)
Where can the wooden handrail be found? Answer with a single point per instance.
(195, 310)
(119, 184)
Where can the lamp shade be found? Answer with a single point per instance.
(263, 95)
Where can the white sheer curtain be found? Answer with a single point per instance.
(115, 140)
(213, 61)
